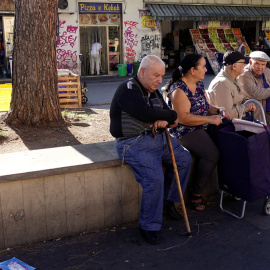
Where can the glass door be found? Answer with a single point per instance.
(114, 48)
(88, 36)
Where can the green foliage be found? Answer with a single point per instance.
(78, 114)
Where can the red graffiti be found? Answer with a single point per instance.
(130, 38)
(131, 24)
(130, 54)
(69, 66)
(67, 56)
(72, 29)
(72, 41)
(67, 40)
(61, 24)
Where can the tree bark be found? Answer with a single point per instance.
(34, 100)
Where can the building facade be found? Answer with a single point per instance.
(125, 30)
(179, 17)
(128, 30)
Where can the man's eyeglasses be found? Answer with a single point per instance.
(240, 62)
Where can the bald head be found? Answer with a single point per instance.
(149, 61)
(151, 72)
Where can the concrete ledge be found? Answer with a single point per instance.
(59, 160)
(63, 191)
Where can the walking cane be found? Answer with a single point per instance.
(176, 177)
(177, 180)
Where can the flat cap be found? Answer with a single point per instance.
(262, 56)
(231, 57)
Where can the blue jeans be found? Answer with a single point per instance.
(146, 155)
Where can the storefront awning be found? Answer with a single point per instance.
(207, 12)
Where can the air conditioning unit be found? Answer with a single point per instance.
(67, 6)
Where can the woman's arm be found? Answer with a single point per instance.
(181, 105)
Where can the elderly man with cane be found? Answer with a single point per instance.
(137, 108)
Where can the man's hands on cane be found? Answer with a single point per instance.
(159, 124)
(163, 124)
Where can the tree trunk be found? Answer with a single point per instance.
(34, 78)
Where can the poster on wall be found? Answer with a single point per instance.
(147, 21)
(8, 25)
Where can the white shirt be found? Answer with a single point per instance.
(242, 49)
(95, 48)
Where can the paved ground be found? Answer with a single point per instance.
(218, 241)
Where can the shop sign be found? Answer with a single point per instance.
(225, 24)
(203, 24)
(147, 21)
(213, 24)
(99, 19)
(99, 8)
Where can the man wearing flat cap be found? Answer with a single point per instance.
(255, 82)
(224, 90)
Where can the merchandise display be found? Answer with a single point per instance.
(221, 35)
(229, 35)
(213, 41)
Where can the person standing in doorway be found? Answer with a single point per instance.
(95, 57)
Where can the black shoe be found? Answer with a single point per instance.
(169, 209)
(151, 237)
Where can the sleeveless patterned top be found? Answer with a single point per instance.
(199, 106)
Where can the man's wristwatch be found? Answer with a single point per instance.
(220, 109)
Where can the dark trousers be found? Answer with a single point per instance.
(200, 145)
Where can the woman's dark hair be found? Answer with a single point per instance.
(189, 61)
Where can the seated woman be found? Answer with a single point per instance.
(187, 97)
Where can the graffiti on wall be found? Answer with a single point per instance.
(150, 43)
(130, 40)
(66, 53)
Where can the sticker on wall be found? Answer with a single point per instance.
(147, 21)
